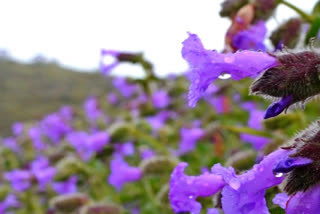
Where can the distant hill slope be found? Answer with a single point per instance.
(29, 91)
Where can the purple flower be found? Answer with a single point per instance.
(160, 99)
(255, 119)
(11, 143)
(220, 103)
(17, 128)
(66, 112)
(281, 199)
(112, 98)
(305, 202)
(245, 193)
(20, 179)
(147, 153)
(122, 173)
(54, 127)
(10, 201)
(108, 60)
(92, 109)
(126, 89)
(252, 38)
(35, 134)
(287, 164)
(97, 141)
(66, 187)
(189, 138)
(125, 149)
(206, 65)
(42, 171)
(185, 189)
(213, 211)
(158, 121)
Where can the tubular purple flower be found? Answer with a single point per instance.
(206, 65)
(189, 138)
(122, 173)
(160, 99)
(185, 189)
(289, 163)
(20, 179)
(305, 202)
(108, 60)
(245, 193)
(66, 187)
(126, 89)
(281, 199)
(252, 38)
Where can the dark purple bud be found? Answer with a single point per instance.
(287, 34)
(264, 8)
(295, 79)
(276, 108)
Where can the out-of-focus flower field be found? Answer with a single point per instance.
(197, 142)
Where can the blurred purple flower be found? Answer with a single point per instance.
(66, 112)
(54, 127)
(185, 189)
(160, 99)
(122, 173)
(66, 187)
(125, 149)
(147, 153)
(43, 172)
(86, 145)
(255, 122)
(20, 179)
(17, 129)
(108, 60)
(252, 38)
(126, 89)
(213, 211)
(9, 202)
(92, 109)
(35, 134)
(11, 143)
(189, 138)
(206, 65)
(158, 121)
(112, 98)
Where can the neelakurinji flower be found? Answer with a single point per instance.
(160, 99)
(92, 109)
(17, 128)
(185, 189)
(189, 138)
(126, 89)
(295, 79)
(240, 193)
(251, 38)
(206, 65)
(66, 187)
(10, 201)
(35, 133)
(54, 127)
(122, 172)
(125, 149)
(255, 122)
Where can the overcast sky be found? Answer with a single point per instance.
(73, 31)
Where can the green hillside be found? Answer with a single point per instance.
(29, 91)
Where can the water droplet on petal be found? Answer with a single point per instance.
(224, 76)
(278, 175)
(108, 59)
(190, 196)
(234, 184)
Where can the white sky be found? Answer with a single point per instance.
(74, 31)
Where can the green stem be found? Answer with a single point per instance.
(150, 194)
(303, 14)
(246, 130)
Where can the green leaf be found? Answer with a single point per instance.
(314, 29)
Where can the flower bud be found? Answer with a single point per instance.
(68, 203)
(303, 164)
(264, 8)
(287, 34)
(157, 165)
(230, 7)
(295, 79)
